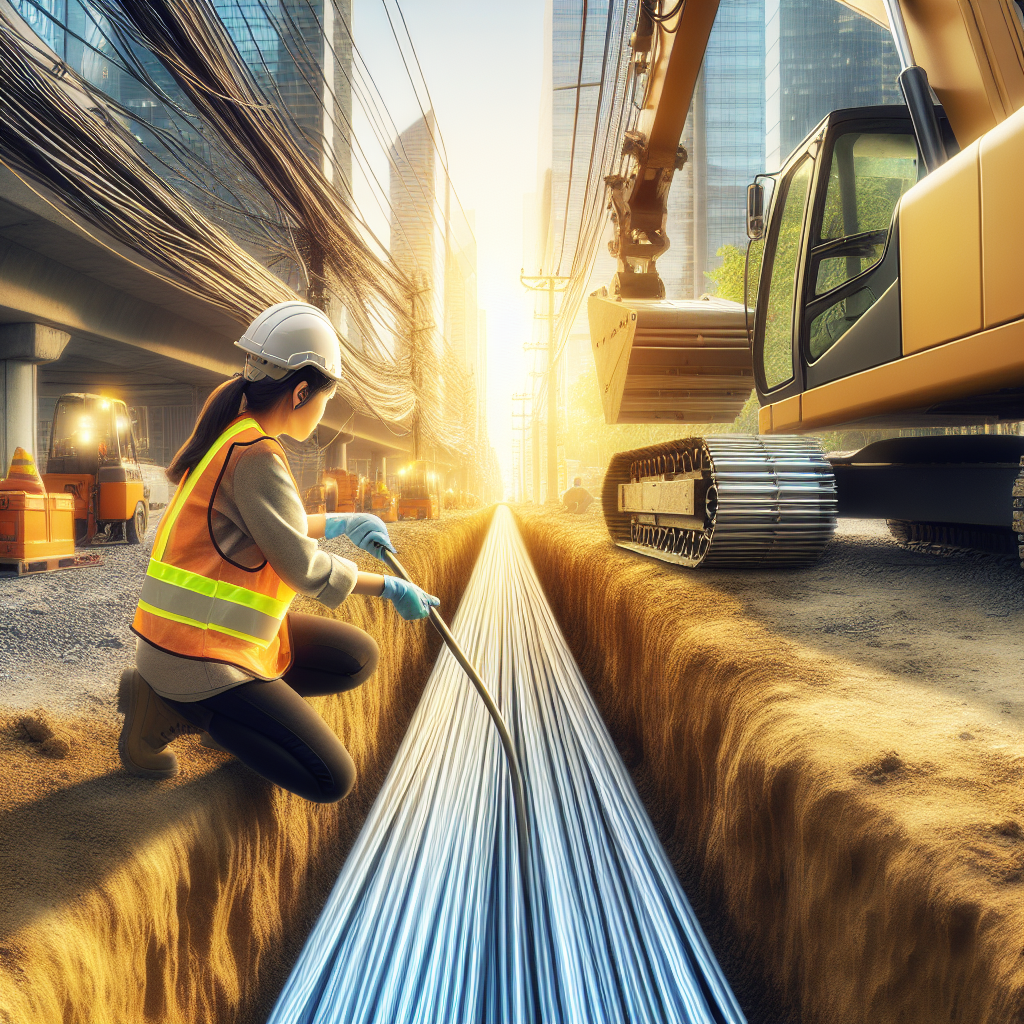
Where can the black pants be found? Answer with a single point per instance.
(269, 727)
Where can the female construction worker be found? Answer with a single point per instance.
(218, 650)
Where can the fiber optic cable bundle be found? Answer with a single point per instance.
(425, 921)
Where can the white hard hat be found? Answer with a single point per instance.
(288, 336)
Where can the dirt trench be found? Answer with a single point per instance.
(850, 833)
(129, 902)
(845, 818)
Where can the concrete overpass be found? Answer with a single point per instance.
(79, 311)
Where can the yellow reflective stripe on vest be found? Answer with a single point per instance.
(207, 609)
(217, 588)
(184, 490)
(146, 607)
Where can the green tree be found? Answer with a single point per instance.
(727, 279)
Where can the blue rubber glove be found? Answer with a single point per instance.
(409, 600)
(366, 531)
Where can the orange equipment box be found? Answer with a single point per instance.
(75, 485)
(348, 489)
(36, 525)
(384, 505)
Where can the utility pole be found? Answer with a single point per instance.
(416, 365)
(549, 283)
(522, 417)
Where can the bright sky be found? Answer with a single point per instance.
(483, 63)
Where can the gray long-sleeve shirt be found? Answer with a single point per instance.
(257, 514)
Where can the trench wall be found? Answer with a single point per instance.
(127, 901)
(810, 852)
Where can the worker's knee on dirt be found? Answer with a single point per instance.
(343, 778)
(369, 654)
(329, 656)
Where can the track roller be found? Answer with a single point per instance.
(732, 500)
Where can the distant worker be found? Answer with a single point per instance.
(577, 499)
(219, 652)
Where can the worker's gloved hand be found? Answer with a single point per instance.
(409, 600)
(366, 531)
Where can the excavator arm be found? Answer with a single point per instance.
(971, 50)
(668, 44)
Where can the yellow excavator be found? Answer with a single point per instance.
(890, 294)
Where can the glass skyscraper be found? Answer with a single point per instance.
(821, 56)
(291, 46)
(589, 49)
(724, 139)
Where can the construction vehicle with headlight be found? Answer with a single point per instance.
(890, 294)
(93, 457)
(419, 492)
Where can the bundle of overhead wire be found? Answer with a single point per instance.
(233, 158)
(193, 45)
(425, 922)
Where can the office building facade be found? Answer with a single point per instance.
(820, 56)
(433, 244)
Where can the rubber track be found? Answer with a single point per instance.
(772, 501)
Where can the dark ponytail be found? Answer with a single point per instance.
(225, 404)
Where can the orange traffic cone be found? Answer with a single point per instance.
(23, 475)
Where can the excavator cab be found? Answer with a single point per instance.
(889, 297)
(828, 295)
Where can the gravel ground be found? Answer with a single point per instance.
(65, 636)
(951, 624)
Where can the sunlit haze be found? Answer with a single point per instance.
(483, 65)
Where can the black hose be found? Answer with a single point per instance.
(515, 776)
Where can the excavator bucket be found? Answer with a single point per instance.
(670, 361)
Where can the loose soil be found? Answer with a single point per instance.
(185, 900)
(834, 757)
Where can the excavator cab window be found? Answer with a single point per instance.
(869, 173)
(778, 320)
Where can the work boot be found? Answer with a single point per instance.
(149, 726)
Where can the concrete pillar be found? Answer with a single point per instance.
(22, 348)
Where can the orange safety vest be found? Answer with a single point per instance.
(197, 604)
